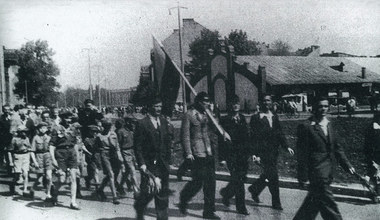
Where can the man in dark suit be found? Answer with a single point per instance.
(198, 149)
(152, 150)
(267, 136)
(5, 135)
(89, 116)
(236, 154)
(317, 149)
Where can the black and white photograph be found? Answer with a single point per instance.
(189, 109)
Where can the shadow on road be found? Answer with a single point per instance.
(353, 201)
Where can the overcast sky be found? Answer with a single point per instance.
(119, 33)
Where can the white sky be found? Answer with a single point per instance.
(120, 32)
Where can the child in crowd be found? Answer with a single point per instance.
(111, 158)
(19, 158)
(44, 165)
(125, 138)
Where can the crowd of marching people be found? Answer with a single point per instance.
(57, 144)
(70, 145)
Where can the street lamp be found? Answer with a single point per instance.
(180, 53)
(89, 69)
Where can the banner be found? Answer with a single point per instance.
(166, 77)
(165, 73)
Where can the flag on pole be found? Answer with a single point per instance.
(167, 78)
(168, 74)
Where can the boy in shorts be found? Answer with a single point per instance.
(111, 159)
(125, 138)
(64, 157)
(19, 158)
(40, 150)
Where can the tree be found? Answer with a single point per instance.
(145, 92)
(37, 73)
(199, 51)
(280, 48)
(243, 46)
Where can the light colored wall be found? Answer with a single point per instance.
(246, 91)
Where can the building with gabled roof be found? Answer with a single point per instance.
(190, 31)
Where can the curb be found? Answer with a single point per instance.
(355, 190)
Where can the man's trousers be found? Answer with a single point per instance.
(203, 174)
(319, 199)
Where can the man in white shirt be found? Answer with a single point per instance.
(317, 148)
(267, 136)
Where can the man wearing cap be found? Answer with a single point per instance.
(89, 116)
(44, 164)
(196, 143)
(153, 154)
(236, 154)
(64, 157)
(19, 158)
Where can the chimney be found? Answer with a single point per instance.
(175, 31)
(188, 22)
(363, 73)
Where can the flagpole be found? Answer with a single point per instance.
(214, 121)
(180, 55)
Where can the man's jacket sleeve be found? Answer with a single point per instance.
(185, 134)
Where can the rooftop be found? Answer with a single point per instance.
(190, 30)
(292, 70)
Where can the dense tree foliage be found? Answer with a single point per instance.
(280, 48)
(199, 48)
(37, 73)
(242, 45)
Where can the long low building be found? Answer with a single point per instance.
(249, 76)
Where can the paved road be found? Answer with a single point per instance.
(16, 207)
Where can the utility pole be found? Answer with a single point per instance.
(183, 85)
(99, 93)
(89, 69)
(26, 92)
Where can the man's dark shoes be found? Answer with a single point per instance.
(226, 201)
(255, 197)
(210, 216)
(12, 189)
(115, 201)
(182, 208)
(31, 195)
(243, 212)
(100, 195)
(74, 206)
(277, 207)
